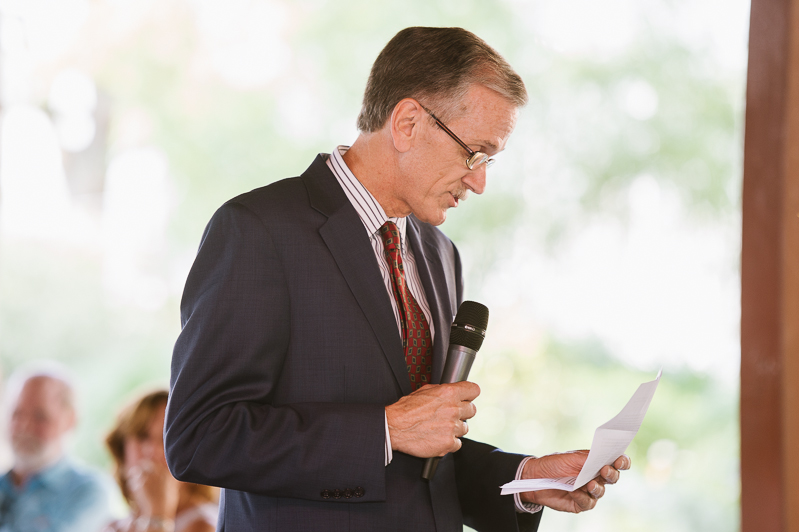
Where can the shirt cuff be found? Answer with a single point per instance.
(524, 507)
(389, 455)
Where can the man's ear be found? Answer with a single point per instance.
(404, 123)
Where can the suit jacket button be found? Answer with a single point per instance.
(337, 494)
(359, 492)
(348, 493)
(325, 494)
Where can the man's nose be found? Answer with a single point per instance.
(476, 179)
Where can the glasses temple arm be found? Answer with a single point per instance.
(440, 124)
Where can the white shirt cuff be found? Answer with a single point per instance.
(524, 507)
(389, 455)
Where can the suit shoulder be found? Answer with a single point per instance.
(277, 203)
(283, 193)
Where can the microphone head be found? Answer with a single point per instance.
(469, 327)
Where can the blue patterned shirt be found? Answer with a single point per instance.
(60, 498)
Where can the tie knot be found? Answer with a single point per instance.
(390, 235)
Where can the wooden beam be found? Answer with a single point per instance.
(770, 273)
(790, 301)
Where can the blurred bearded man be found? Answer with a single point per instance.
(44, 490)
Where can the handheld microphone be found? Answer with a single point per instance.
(465, 339)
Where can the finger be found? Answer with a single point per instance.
(134, 472)
(595, 489)
(134, 478)
(623, 462)
(464, 428)
(583, 500)
(466, 410)
(466, 391)
(610, 474)
(456, 446)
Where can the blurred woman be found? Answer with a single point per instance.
(157, 501)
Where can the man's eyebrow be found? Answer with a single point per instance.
(487, 144)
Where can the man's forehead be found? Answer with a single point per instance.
(46, 389)
(490, 125)
(43, 382)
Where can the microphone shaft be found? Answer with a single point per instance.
(459, 362)
(456, 369)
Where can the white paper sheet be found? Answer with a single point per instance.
(610, 442)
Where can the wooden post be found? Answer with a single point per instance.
(770, 273)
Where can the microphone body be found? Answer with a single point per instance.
(466, 338)
(459, 362)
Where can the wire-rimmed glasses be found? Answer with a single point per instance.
(476, 158)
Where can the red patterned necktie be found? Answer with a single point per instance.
(415, 331)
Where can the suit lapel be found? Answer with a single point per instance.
(346, 238)
(432, 276)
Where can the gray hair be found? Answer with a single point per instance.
(42, 369)
(437, 65)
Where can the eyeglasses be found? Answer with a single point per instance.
(476, 158)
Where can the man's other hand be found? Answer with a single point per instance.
(564, 465)
(429, 421)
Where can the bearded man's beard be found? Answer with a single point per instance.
(30, 452)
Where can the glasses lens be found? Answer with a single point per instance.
(477, 159)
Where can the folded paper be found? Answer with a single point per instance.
(610, 442)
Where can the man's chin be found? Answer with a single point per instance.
(438, 219)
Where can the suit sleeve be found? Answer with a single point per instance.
(479, 471)
(223, 427)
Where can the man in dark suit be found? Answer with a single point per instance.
(316, 316)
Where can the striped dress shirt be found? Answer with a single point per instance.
(373, 217)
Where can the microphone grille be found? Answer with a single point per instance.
(470, 325)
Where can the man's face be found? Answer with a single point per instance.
(39, 420)
(436, 177)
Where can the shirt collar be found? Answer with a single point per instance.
(54, 474)
(369, 210)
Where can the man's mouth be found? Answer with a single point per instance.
(460, 195)
(26, 444)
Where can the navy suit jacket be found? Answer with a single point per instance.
(289, 354)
